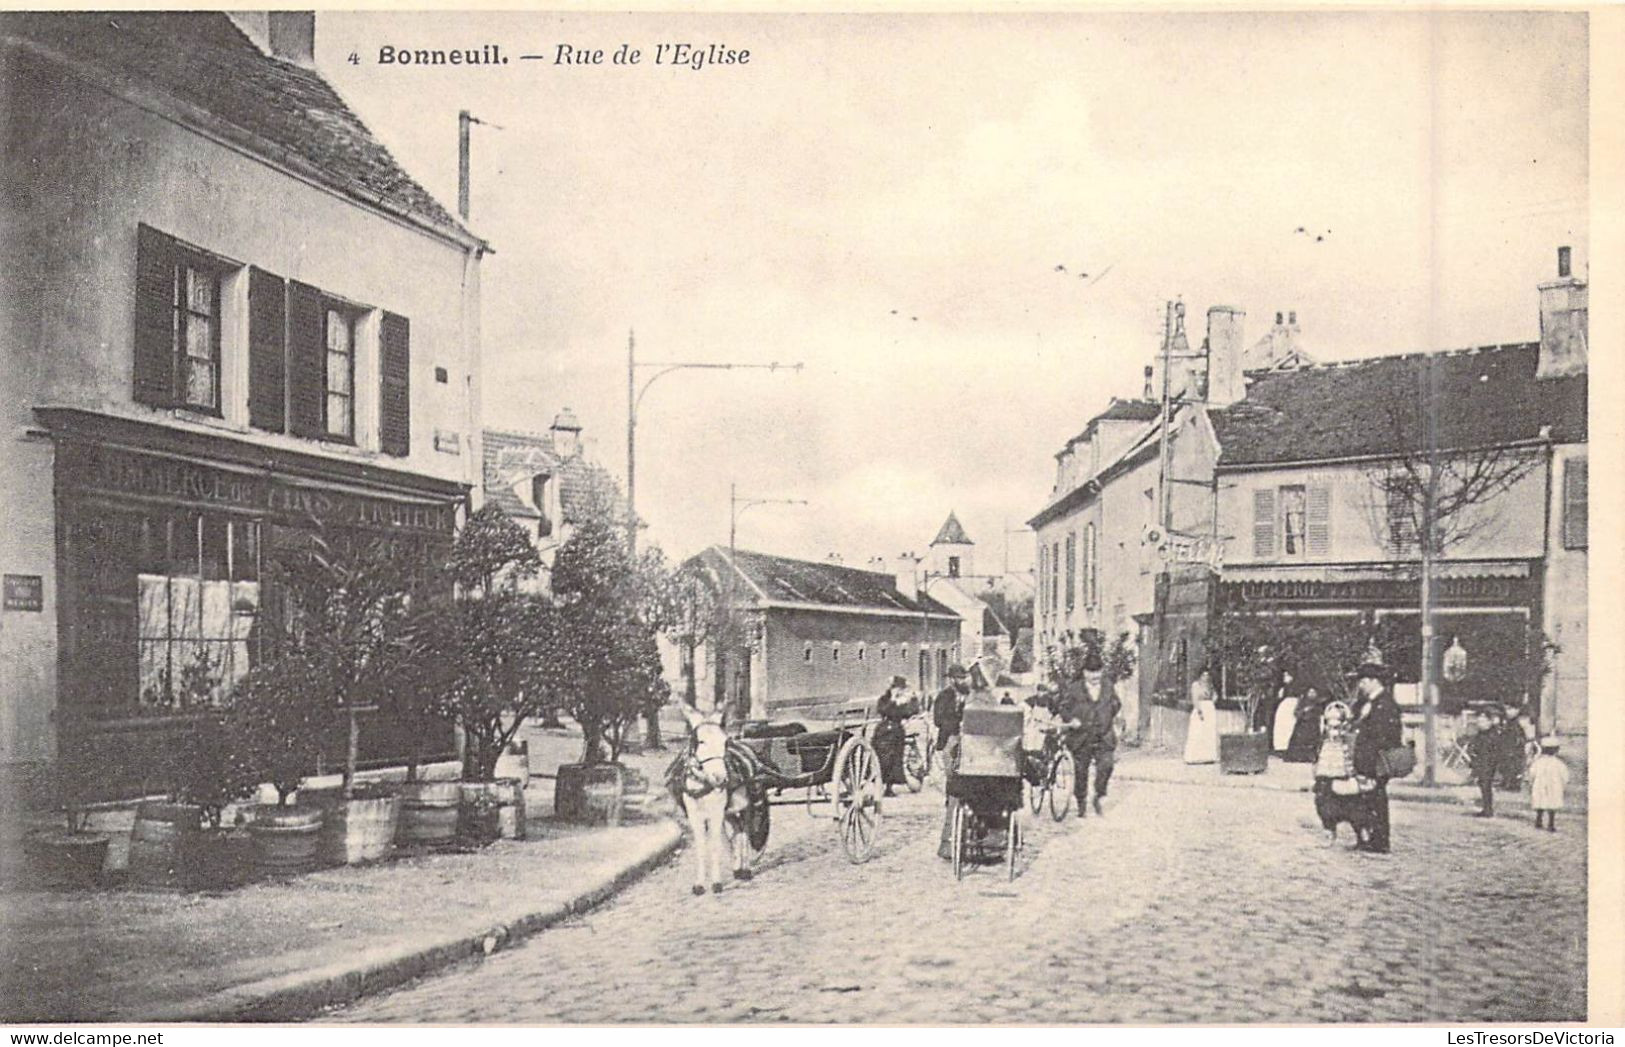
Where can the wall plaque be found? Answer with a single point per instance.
(24, 592)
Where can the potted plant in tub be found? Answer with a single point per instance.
(280, 714)
(485, 656)
(605, 665)
(353, 603)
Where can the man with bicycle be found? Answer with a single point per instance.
(1088, 710)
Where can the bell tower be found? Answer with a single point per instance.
(952, 551)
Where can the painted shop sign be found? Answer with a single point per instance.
(24, 592)
(1376, 591)
(109, 471)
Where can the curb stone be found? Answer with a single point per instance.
(301, 994)
(1406, 793)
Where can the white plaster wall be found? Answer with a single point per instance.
(27, 638)
(1566, 702)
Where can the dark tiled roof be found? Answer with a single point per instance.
(952, 533)
(204, 61)
(802, 581)
(1119, 411)
(1487, 397)
(507, 452)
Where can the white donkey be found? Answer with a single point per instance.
(714, 799)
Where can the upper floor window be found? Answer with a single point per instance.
(1292, 521)
(806, 652)
(1574, 503)
(835, 651)
(1091, 566)
(339, 419)
(305, 349)
(953, 567)
(882, 652)
(197, 334)
(1071, 570)
(177, 324)
(861, 652)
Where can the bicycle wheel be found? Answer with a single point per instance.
(958, 844)
(1062, 775)
(1035, 796)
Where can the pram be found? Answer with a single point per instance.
(985, 791)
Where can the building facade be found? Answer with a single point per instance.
(1319, 527)
(231, 321)
(821, 637)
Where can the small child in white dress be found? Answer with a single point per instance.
(1548, 776)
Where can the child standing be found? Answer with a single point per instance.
(1548, 776)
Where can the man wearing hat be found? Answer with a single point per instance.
(947, 714)
(1378, 729)
(1089, 707)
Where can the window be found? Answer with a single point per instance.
(1054, 576)
(197, 335)
(1574, 503)
(1264, 523)
(1071, 571)
(1292, 522)
(882, 652)
(861, 652)
(197, 596)
(806, 652)
(177, 324)
(1094, 567)
(835, 651)
(1401, 500)
(1043, 578)
(953, 567)
(339, 417)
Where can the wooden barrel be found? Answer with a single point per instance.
(428, 812)
(162, 842)
(590, 793)
(285, 838)
(509, 796)
(59, 858)
(359, 829)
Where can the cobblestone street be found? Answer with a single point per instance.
(1181, 905)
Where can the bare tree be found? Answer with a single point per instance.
(1430, 500)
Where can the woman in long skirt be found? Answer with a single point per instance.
(1202, 739)
(894, 707)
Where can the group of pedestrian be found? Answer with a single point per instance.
(1498, 757)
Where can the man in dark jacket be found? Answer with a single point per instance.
(1486, 750)
(1089, 707)
(1378, 730)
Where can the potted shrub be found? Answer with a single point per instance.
(280, 715)
(483, 657)
(603, 661)
(68, 855)
(351, 605)
(179, 843)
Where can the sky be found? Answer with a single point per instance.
(885, 199)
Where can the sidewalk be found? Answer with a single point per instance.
(1147, 765)
(280, 949)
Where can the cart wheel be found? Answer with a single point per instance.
(857, 774)
(916, 765)
(1013, 842)
(958, 841)
(1062, 775)
(858, 832)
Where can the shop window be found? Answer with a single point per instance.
(198, 596)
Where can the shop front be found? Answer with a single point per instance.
(1487, 617)
(163, 540)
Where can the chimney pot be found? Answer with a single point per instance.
(1292, 317)
(1277, 319)
(1562, 262)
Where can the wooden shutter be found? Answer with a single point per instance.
(1071, 571)
(307, 361)
(395, 392)
(1264, 523)
(154, 317)
(267, 351)
(1575, 509)
(1318, 520)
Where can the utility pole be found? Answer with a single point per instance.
(736, 509)
(1175, 313)
(463, 122)
(634, 396)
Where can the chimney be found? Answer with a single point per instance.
(907, 573)
(835, 558)
(1224, 366)
(1150, 391)
(877, 564)
(1563, 322)
(288, 35)
(566, 433)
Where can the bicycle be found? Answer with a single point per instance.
(1058, 773)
